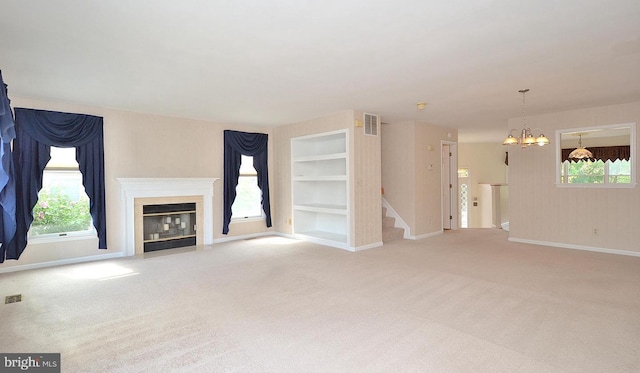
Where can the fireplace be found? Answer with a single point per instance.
(166, 223)
(168, 226)
(166, 213)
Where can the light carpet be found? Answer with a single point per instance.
(465, 301)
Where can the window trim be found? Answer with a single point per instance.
(63, 237)
(248, 219)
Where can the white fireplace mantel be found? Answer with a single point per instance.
(132, 188)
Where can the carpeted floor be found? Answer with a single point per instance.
(465, 301)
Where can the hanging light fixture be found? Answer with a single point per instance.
(526, 137)
(580, 152)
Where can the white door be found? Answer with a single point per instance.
(447, 187)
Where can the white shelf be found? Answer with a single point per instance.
(323, 157)
(320, 188)
(320, 166)
(323, 144)
(324, 208)
(321, 178)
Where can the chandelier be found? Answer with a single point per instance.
(526, 137)
(580, 152)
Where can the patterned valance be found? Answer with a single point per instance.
(604, 153)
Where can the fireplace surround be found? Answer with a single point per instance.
(135, 193)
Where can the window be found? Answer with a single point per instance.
(610, 163)
(464, 198)
(63, 205)
(596, 172)
(248, 202)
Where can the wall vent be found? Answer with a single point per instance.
(371, 124)
(13, 299)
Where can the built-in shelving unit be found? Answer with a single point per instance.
(320, 188)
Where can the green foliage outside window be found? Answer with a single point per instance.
(586, 172)
(593, 172)
(56, 212)
(620, 171)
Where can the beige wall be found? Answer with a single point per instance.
(366, 186)
(429, 179)
(365, 154)
(541, 211)
(411, 186)
(398, 169)
(143, 145)
(485, 162)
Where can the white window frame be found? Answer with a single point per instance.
(253, 174)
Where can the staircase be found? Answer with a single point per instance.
(389, 231)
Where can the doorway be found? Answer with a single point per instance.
(463, 196)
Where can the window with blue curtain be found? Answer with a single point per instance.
(237, 144)
(36, 132)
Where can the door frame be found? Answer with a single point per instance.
(451, 165)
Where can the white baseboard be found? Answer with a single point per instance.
(366, 247)
(427, 235)
(577, 247)
(82, 259)
(252, 235)
(330, 243)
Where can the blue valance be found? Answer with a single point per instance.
(36, 132)
(7, 185)
(237, 144)
(63, 130)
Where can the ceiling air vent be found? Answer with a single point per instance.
(371, 124)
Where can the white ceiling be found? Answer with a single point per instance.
(283, 61)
